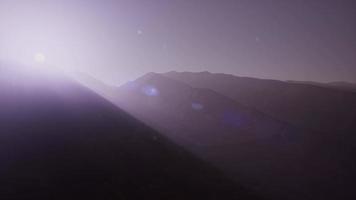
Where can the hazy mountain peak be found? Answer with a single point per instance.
(148, 76)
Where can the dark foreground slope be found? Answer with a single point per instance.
(59, 140)
(270, 155)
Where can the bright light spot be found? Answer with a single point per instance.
(39, 58)
(150, 91)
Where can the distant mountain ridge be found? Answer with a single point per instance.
(263, 132)
(180, 100)
(339, 85)
(302, 105)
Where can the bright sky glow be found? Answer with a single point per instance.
(117, 41)
(39, 58)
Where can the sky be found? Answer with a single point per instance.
(120, 40)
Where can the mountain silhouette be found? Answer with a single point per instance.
(343, 85)
(60, 140)
(340, 85)
(202, 111)
(270, 153)
(303, 105)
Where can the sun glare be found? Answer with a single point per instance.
(39, 58)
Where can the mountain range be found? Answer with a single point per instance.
(174, 135)
(61, 140)
(285, 140)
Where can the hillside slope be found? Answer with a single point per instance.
(302, 105)
(265, 153)
(60, 140)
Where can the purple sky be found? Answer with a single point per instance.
(121, 40)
